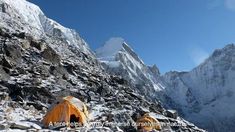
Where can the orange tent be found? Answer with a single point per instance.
(68, 110)
(148, 123)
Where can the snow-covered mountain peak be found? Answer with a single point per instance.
(119, 58)
(229, 46)
(24, 7)
(116, 48)
(23, 16)
(111, 47)
(208, 89)
(222, 59)
(228, 49)
(154, 69)
(26, 12)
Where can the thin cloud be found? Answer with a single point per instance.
(212, 4)
(198, 55)
(230, 4)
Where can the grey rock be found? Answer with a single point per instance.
(172, 114)
(4, 126)
(50, 55)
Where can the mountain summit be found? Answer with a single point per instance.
(212, 87)
(23, 16)
(115, 48)
(118, 58)
(110, 48)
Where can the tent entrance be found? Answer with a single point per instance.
(74, 119)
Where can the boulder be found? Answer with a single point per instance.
(24, 125)
(38, 105)
(6, 63)
(172, 114)
(25, 44)
(50, 55)
(20, 125)
(39, 45)
(21, 35)
(13, 51)
(4, 126)
(3, 75)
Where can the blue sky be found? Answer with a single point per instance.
(173, 34)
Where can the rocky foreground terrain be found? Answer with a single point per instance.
(40, 61)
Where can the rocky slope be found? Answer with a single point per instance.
(40, 60)
(200, 95)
